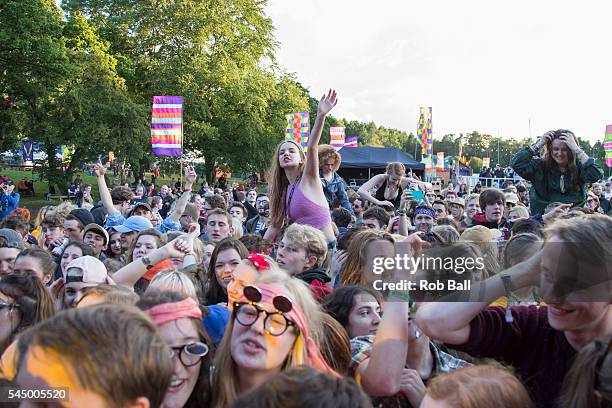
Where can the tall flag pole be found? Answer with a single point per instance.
(167, 125)
(298, 128)
(336, 137)
(425, 134)
(608, 145)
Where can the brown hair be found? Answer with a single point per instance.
(396, 168)
(111, 294)
(520, 247)
(92, 340)
(121, 194)
(44, 259)
(477, 387)
(54, 219)
(219, 211)
(216, 201)
(200, 396)
(356, 256)
(32, 299)
(150, 231)
(238, 204)
(215, 293)
(17, 223)
(193, 211)
(550, 164)
(335, 345)
(490, 196)
(288, 389)
(588, 383)
(278, 184)
(379, 214)
(327, 152)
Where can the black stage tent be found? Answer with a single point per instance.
(359, 164)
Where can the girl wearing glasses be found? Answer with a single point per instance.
(24, 301)
(271, 329)
(179, 320)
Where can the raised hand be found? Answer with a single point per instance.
(327, 102)
(568, 139)
(546, 137)
(190, 175)
(99, 170)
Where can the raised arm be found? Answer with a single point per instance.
(105, 196)
(449, 322)
(381, 373)
(364, 190)
(130, 273)
(524, 163)
(179, 209)
(311, 169)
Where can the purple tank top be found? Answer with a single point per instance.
(304, 211)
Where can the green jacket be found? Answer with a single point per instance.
(547, 187)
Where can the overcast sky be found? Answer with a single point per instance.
(482, 65)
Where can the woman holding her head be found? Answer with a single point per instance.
(272, 328)
(562, 174)
(296, 192)
(389, 187)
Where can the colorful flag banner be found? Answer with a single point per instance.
(608, 146)
(27, 151)
(298, 128)
(440, 161)
(351, 142)
(336, 137)
(167, 125)
(425, 135)
(460, 156)
(486, 162)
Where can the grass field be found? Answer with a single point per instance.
(41, 188)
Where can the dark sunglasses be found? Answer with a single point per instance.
(189, 354)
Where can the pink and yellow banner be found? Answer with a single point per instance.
(336, 137)
(440, 161)
(298, 128)
(608, 146)
(167, 125)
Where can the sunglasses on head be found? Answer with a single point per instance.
(281, 303)
(275, 323)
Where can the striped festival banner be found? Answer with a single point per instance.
(167, 125)
(440, 161)
(351, 142)
(298, 128)
(336, 137)
(608, 146)
(425, 135)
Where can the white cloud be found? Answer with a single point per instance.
(481, 65)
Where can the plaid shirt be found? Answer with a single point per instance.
(361, 348)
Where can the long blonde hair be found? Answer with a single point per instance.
(278, 184)
(225, 379)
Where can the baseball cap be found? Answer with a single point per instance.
(97, 229)
(134, 223)
(457, 200)
(140, 204)
(511, 198)
(82, 215)
(86, 269)
(13, 239)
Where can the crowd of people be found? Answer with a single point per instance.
(232, 296)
